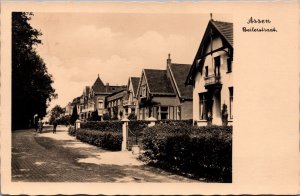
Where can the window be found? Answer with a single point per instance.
(100, 104)
(230, 102)
(143, 94)
(202, 106)
(206, 71)
(217, 65)
(229, 65)
(164, 113)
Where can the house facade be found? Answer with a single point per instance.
(130, 104)
(115, 104)
(94, 98)
(68, 109)
(211, 74)
(163, 95)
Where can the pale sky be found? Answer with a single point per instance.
(79, 46)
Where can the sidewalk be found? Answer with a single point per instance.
(96, 155)
(49, 157)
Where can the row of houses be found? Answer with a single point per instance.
(178, 91)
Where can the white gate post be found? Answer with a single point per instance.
(124, 133)
(77, 124)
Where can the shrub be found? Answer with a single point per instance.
(132, 116)
(71, 130)
(110, 140)
(200, 152)
(94, 116)
(106, 116)
(104, 126)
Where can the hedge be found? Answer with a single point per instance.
(104, 126)
(197, 152)
(109, 140)
(188, 122)
(71, 130)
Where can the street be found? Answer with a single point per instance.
(49, 157)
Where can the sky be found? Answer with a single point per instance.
(79, 46)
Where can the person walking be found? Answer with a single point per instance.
(40, 125)
(54, 125)
(36, 122)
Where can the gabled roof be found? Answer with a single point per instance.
(158, 82)
(226, 29)
(222, 29)
(179, 73)
(135, 83)
(98, 85)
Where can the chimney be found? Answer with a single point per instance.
(169, 59)
(107, 87)
(211, 16)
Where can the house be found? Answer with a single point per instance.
(162, 93)
(68, 109)
(130, 103)
(94, 98)
(115, 104)
(211, 74)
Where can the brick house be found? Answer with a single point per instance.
(94, 98)
(211, 74)
(163, 94)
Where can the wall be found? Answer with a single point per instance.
(186, 110)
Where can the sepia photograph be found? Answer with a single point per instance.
(122, 97)
(149, 98)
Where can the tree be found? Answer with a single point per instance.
(74, 115)
(64, 120)
(31, 82)
(95, 116)
(56, 113)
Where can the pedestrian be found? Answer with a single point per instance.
(40, 125)
(54, 125)
(36, 122)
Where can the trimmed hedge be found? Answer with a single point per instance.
(109, 140)
(104, 126)
(71, 130)
(197, 152)
(176, 122)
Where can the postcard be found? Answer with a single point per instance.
(150, 98)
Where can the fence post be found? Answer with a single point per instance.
(124, 133)
(77, 124)
(151, 121)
